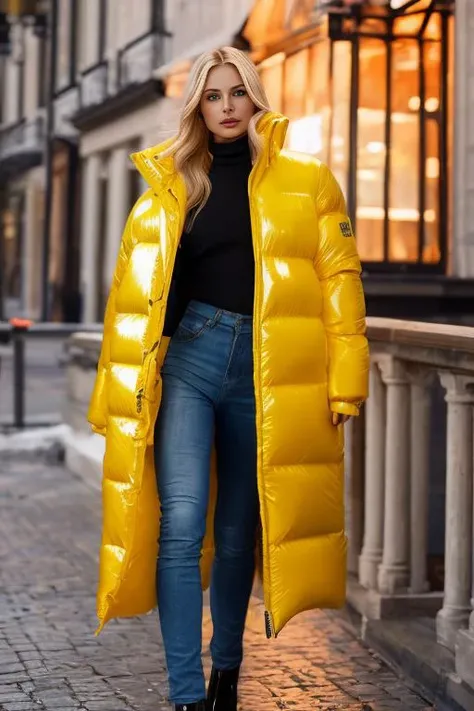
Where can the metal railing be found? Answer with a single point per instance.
(138, 59)
(15, 334)
(93, 85)
(24, 136)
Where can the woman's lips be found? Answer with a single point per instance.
(230, 123)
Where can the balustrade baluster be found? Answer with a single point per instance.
(459, 491)
(420, 380)
(393, 575)
(372, 549)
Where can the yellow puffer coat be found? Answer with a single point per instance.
(310, 358)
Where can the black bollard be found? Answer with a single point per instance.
(19, 378)
(20, 327)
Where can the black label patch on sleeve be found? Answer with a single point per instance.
(346, 229)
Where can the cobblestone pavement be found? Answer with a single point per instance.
(50, 658)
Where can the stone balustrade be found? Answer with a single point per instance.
(389, 478)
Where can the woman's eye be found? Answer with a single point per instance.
(212, 97)
(240, 92)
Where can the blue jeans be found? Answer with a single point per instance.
(207, 397)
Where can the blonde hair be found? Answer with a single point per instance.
(190, 148)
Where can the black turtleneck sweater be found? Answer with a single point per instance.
(215, 262)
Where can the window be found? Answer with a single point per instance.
(12, 224)
(102, 286)
(43, 70)
(66, 55)
(371, 96)
(401, 159)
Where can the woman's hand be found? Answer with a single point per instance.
(338, 419)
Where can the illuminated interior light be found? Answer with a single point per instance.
(432, 168)
(367, 175)
(375, 147)
(397, 214)
(432, 104)
(414, 103)
(306, 134)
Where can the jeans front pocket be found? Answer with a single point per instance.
(191, 326)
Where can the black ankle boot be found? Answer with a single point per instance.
(222, 692)
(198, 706)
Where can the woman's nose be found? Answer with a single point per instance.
(228, 107)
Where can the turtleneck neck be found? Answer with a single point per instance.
(230, 151)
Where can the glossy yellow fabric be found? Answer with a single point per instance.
(310, 358)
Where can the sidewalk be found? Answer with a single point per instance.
(50, 659)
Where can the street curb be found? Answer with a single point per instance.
(42, 442)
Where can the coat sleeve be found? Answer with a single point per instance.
(97, 414)
(338, 268)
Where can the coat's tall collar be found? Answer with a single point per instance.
(160, 173)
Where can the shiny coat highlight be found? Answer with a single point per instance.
(310, 359)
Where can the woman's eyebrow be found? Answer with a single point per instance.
(232, 88)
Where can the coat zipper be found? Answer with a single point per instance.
(166, 287)
(269, 628)
(268, 617)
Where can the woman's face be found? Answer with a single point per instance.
(225, 105)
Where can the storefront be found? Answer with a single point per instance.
(368, 89)
(20, 155)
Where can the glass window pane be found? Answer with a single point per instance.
(318, 94)
(271, 72)
(12, 226)
(404, 153)
(310, 134)
(431, 248)
(450, 137)
(341, 94)
(432, 72)
(433, 29)
(295, 85)
(411, 22)
(63, 57)
(371, 149)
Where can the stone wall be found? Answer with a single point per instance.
(83, 354)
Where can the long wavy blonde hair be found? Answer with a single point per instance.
(190, 148)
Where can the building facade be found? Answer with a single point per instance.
(368, 86)
(22, 135)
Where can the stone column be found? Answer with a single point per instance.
(463, 163)
(354, 484)
(458, 546)
(117, 209)
(372, 549)
(419, 485)
(393, 574)
(90, 220)
(465, 644)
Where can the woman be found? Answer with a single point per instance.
(248, 252)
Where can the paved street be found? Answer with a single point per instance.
(50, 659)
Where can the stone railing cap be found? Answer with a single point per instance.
(421, 334)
